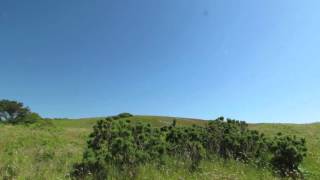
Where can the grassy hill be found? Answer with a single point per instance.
(38, 151)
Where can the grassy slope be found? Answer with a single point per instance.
(311, 132)
(35, 153)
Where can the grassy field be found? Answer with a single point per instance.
(48, 152)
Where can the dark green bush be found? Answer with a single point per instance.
(288, 153)
(124, 145)
(233, 139)
(89, 169)
(185, 143)
(125, 115)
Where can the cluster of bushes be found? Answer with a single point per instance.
(124, 145)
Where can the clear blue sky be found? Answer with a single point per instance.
(252, 60)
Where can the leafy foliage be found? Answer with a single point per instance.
(185, 143)
(125, 145)
(31, 118)
(288, 153)
(233, 139)
(12, 111)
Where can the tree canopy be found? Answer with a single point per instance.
(13, 111)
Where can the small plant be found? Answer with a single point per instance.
(9, 171)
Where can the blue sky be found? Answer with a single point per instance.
(252, 60)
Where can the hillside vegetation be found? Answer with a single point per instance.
(51, 149)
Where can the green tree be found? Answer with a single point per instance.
(12, 111)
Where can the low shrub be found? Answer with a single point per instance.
(185, 143)
(31, 118)
(125, 115)
(232, 139)
(287, 154)
(124, 145)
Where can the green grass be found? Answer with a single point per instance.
(48, 152)
(214, 169)
(311, 132)
(33, 153)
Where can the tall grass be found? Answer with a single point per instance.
(35, 153)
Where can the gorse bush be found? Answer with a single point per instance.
(117, 143)
(233, 139)
(185, 143)
(288, 152)
(121, 144)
